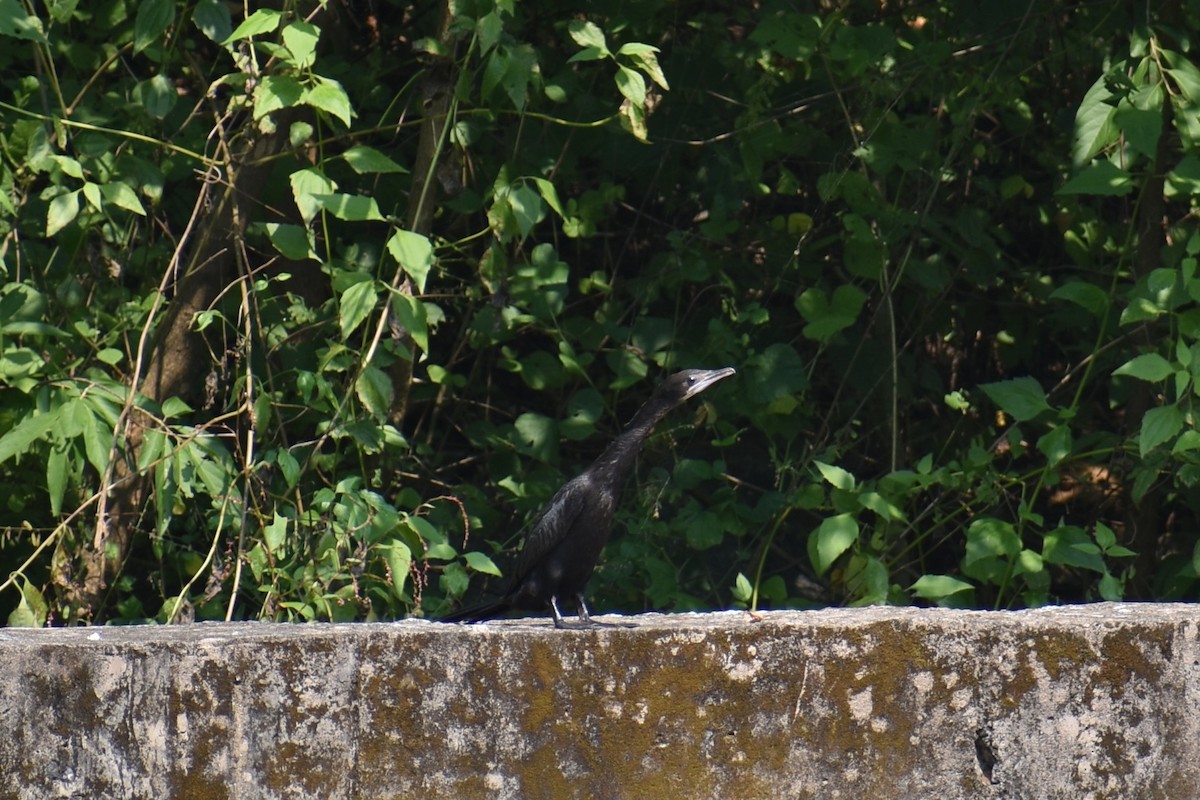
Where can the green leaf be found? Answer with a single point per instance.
(275, 92)
(527, 208)
(1072, 547)
(275, 533)
(264, 20)
(63, 210)
(355, 305)
(329, 96)
(939, 587)
(1094, 130)
(414, 253)
(1150, 367)
(121, 195)
(32, 611)
(1021, 398)
(212, 18)
(991, 544)
(375, 391)
(307, 185)
(742, 590)
(291, 241)
(537, 435)
(153, 19)
(1055, 445)
(157, 95)
(550, 195)
(410, 313)
(1088, 295)
(300, 38)
(15, 23)
(836, 476)
(56, 476)
(399, 561)
(632, 85)
(1142, 127)
(833, 537)
(586, 34)
(349, 207)
(1159, 425)
(18, 440)
(369, 161)
(1102, 178)
(647, 62)
(481, 563)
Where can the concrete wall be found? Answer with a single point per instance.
(1095, 701)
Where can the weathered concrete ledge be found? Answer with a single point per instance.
(1097, 701)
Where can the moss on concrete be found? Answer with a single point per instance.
(1094, 701)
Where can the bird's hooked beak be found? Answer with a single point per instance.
(705, 379)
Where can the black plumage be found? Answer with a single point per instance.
(563, 544)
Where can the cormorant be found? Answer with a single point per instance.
(564, 543)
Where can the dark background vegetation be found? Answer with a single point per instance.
(304, 315)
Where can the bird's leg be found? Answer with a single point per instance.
(559, 622)
(586, 621)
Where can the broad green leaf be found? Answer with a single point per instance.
(1102, 178)
(1094, 130)
(300, 38)
(275, 533)
(587, 34)
(414, 253)
(56, 476)
(91, 193)
(1088, 295)
(1142, 127)
(1021, 398)
(157, 95)
(375, 391)
(121, 195)
(549, 194)
(399, 561)
(349, 207)
(292, 241)
(1150, 367)
(307, 185)
(264, 20)
(938, 587)
(991, 544)
(275, 92)
(18, 440)
(16, 24)
(537, 435)
(153, 19)
(742, 590)
(489, 28)
(32, 611)
(632, 85)
(481, 563)
(833, 537)
(329, 96)
(63, 210)
(1055, 445)
(355, 305)
(1159, 425)
(367, 160)
(212, 18)
(836, 476)
(647, 62)
(1072, 547)
(410, 313)
(527, 208)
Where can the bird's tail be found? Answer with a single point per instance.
(479, 613)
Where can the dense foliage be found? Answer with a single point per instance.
(304, 313)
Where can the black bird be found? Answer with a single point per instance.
(564, 543)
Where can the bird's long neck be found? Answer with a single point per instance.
(617, 459)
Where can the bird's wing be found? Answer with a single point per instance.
(552, 526)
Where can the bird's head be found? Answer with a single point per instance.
(691, 382)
